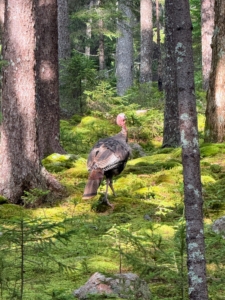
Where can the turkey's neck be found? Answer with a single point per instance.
(123, 135)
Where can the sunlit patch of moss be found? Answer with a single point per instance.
(201, 122)
(103, 264)
(145, 192)
(89, 121)
(129, 183)
(165, 178)
(157, 142)
(59, 162)
(79, 169)
(166, 231)
(207, 179)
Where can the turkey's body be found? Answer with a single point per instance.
(107, 158)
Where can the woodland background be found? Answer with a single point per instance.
(51, 240)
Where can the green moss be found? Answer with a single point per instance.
(209, 150)
(215, 168)
(59, 162)
(207, 179)
(8, 211)
(165, 178)
(3, 200)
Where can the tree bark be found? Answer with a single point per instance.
(63, 30)
(146, 41)
(88, 32)
(101, 47)
(47, 87)
(159, 69)
(20, 164)
(124, 48)
(193, 200)
(207, 28)
(215, 111)
(171, 130)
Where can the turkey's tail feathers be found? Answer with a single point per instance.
(93, 183)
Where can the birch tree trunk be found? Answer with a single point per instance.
(193, 200)
(146, 40)
(124, 48)
(215, 111)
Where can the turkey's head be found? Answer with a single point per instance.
(121, 120)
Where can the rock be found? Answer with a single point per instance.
(219, 226)
(126, 285)
(137, 150)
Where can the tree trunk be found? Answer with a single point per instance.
(19, 153)
(207, 28)
(101, 47)
(63, 30)
(160, 87)
(88, 32)
(47, 77)
(215, 111)
(171, 132)
(146, 41)
(190, 153)
(124, 48)
(2, 13)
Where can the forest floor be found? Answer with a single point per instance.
(60, 245)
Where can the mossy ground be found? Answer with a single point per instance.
(145, 231)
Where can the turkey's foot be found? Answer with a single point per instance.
(106, 201)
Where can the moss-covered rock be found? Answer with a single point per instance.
(59, 162)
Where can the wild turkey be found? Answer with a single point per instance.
(107, 158)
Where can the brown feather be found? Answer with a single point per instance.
(92, 185)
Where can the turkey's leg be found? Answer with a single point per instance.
(108, 183)
(111, 186)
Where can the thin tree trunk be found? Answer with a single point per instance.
(124, 48)
(88, 32)
(63, 30)
(101, 47)
(2, 13)
(171, 129)
(193, 200)
(47, 78)
(207, 28)
(215, 111)
(160, 87)
(146, 41)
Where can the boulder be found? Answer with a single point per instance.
(126, 286)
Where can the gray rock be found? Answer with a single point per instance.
(127, 286)
(137, 150)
